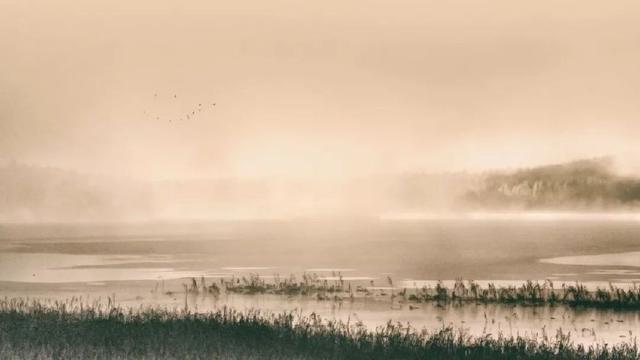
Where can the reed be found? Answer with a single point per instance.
(529, 293)
(74, 329)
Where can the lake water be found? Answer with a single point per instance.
(96, 260)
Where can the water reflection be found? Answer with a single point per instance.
(618, 259)
(585, 326)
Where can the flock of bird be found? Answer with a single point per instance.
(189, 115)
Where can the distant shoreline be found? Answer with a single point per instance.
(514, 215)
(551, 215)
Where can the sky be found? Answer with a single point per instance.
(317, 88)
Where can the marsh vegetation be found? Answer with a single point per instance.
(339, 288)
(75, 329)
(203, 268)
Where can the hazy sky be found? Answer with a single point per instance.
(317, 87)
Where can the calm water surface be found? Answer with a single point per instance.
(55, 261)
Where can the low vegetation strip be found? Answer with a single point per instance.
(72, 329)
(339, 289)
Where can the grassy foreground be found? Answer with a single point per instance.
(71, 329)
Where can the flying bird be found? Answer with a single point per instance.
(190, 115)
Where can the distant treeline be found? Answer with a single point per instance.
(584, 183)
(38, 193)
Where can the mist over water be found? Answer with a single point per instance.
(176, 154)
(583, 189)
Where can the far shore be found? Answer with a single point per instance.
(551, 215)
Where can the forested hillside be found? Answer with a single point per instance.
(584, 183)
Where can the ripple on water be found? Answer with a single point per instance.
(67, 268)
(624, 272)
(346, 278)
(330, 270)
(246, 268)
(631, 258)
(218, 275)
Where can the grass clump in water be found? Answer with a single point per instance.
(529, 293)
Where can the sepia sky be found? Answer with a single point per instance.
(317, 88)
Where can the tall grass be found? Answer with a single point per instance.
(529, 293)
(532, 293)
(73, 329)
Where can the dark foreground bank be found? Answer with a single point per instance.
(72, 329)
